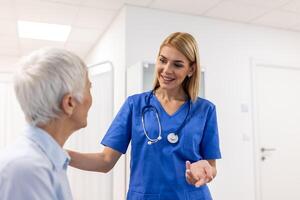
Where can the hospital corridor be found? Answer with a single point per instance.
(157, 99)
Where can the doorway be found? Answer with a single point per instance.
(276, 102)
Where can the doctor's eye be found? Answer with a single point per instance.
(178, 65)
(162, 60)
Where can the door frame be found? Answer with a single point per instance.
(255, 122)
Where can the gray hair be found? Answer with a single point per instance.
(45, 76)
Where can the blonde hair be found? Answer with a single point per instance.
(187, 45)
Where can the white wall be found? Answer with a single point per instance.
(8, 63)
(88, 185)
(226, 50)
(12, 119)
(111, 48)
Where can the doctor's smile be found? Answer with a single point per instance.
(167, 79)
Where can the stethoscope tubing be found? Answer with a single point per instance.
(150, 107)
(158, 121)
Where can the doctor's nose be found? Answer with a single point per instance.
(168, 68)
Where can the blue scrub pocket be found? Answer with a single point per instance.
(191, 145)
(200, 194)
(191, 137)
(140, 196)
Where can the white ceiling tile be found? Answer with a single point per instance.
(29, 45)
(61, 2)
(69, 2)
(9, 51)
(94, 18)
(138, 2)
(81, 35)
(198, 6)
(9, 42)
(9, 46)
(263, 3)
(104, 4)
(279, 19)
(296, 28)
(18, 2)
(236, 11)
(8, 27)
(90, 17)
(8, 62)
(293, 6)
(7, 12)
(47, 12)
(5, 2)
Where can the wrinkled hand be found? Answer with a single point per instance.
(198, 173)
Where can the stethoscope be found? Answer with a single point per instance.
(173, 136)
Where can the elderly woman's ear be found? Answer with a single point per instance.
(68, 104)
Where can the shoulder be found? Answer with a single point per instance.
(24, 162)
(202, 103)
(33, 177)
(26, 170)
(133, 103)
(203, 108)
(138, 98)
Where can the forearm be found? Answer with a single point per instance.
(98, 162)
(214, 167)
(214, 172)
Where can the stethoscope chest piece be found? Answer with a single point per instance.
(172, 138)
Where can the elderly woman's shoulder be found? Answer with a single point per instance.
(16, 161)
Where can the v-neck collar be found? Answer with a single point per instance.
(164, 111)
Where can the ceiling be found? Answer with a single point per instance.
(90, 18)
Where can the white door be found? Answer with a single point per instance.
(92, 185)
(12, 120)
(277, 128)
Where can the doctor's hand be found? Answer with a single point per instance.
(199, 173)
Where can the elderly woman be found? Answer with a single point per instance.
(53, 90)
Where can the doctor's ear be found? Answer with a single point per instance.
(68, 104)
(192, 70)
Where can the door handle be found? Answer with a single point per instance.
(267, 149)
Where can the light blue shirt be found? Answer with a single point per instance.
(34, 168)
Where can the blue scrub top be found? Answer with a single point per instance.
(158, 170)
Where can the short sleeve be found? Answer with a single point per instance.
(209, 146)
(119, 133)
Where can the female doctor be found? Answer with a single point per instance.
(173, 132)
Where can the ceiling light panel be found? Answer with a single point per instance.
(43, 31)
